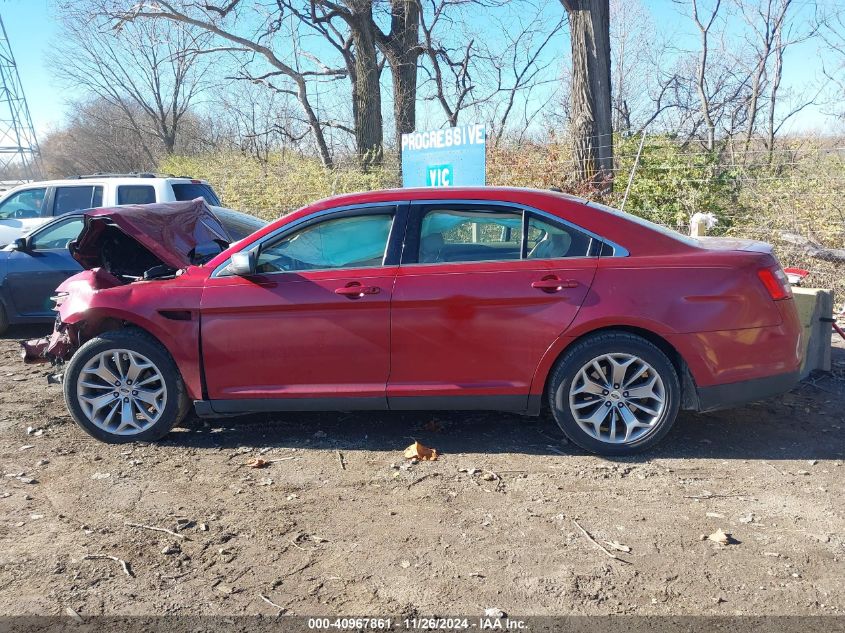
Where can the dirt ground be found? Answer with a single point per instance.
(341, 525)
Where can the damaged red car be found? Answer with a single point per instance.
(481, 298)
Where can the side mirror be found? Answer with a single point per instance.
(21, 244)
(243, 263)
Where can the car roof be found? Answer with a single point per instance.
(448, 193)
(613, 226)
(126, 179)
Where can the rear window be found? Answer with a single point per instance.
(191, 191)
(136, 194)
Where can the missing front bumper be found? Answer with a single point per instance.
(56, 348)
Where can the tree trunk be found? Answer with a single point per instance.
(168, 137)
(592, 127)
(402, 49)
(314, 123)
(366, 93)
(777, 75)
(701, 79)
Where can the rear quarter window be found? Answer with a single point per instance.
(136, 194)
(191, 191)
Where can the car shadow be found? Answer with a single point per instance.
(784, 428)
(806, 423)
(22, 332)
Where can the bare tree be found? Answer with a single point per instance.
(592, 126)
(766, 20)
(224, 23)
(704, 21)
(257, 121)
(149, 71)
(772, 30)
(644, 74)
(449, 66)
(402, 49)
(520, 69)
(362, 54)
(455, 58)
(631, 38)
(833, 39)
(352, 28)
(718, 73)
(99, 137)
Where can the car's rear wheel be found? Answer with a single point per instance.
(614, 394)
(123, 386)
(4, 320)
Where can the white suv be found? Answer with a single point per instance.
(27, 206)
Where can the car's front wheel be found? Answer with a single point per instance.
(614, 393)
(123, 386)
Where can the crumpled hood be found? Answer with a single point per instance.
(171, 231)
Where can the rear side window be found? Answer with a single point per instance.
(191, 191)
(76, 198)
(470, 235)
(479, 234)
(136, 194)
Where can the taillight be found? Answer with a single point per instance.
(776, 283)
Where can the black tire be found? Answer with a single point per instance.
(4, 320)
(576, 357)
(177, 403)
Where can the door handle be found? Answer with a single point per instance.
(354, 290)
(551, 283)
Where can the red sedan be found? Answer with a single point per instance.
(484, 298)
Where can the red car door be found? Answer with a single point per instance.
(310, 329)
(482, 292)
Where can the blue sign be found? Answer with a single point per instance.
(452, 157)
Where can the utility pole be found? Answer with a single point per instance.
(20, 157)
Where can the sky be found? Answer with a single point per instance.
(32, 31)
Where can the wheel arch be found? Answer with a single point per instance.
(94, 322)
(689, 391)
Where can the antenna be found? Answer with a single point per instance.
(20, 157)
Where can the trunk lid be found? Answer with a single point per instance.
(733, 244)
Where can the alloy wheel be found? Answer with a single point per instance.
(617, 398)
(121, 392)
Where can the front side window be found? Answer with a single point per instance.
(23, 204)
(448, 235)
(70, 199)
(56, 236)
(549, 241)
(349, 242)
(136, 194)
